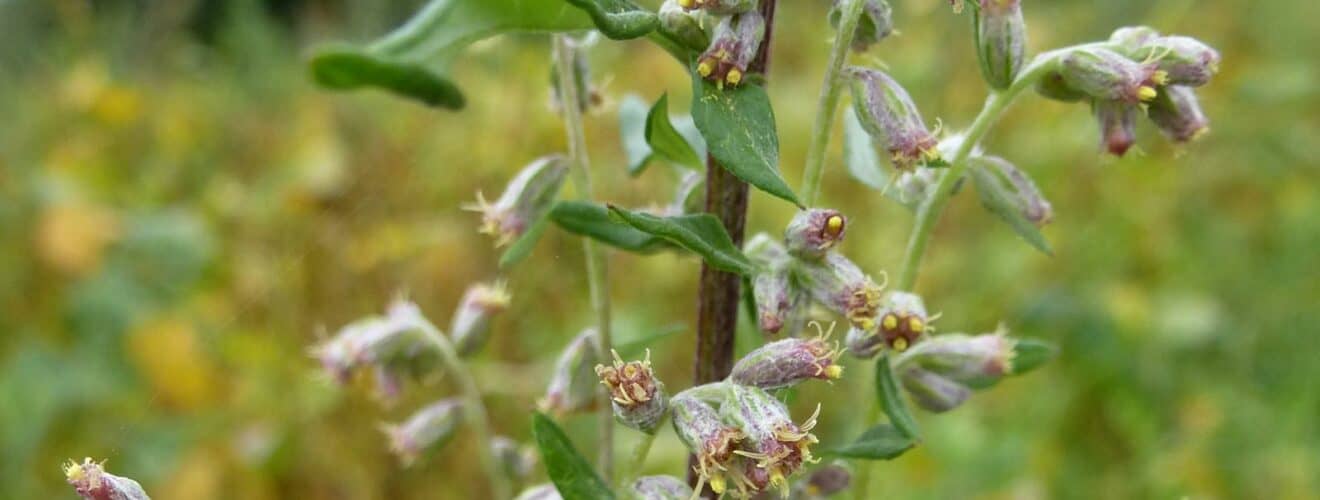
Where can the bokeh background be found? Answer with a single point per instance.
(181, 211)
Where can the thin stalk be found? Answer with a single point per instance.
(638, 458)
(597, 268)
(829, 102)
(474, 411)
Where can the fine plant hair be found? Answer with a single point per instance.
(799, 288)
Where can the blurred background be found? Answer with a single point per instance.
(182, 211)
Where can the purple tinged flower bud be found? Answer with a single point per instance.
(932, 392)
(1106, 75)
(637, 396)
(391, 345)
(732, 48)
(903, 320)
(875, 25)
(90, 480)
(1177, 113)
(1186, 61)
(972, 360)
(814, 231)
(425, 432)
(1001, 41)
(470, 326)
(708, 438)
(765, 251)
(516, 461)
(785, 363)
(1118, 125)
(528, 196)
(1053, 86)
(1022, 190)
(573, 384)
(888, 114)
(841, 286)
(660, 488)
(1131, 38)
(775, 300)
(719, 7)
(778, 446)
(682, 25)
(825, 481)
(540, 492)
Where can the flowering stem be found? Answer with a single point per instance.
(638, 457)
(829, 101)
(597, 269)
(474, 411)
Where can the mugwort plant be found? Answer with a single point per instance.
(743, 438)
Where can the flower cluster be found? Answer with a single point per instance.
(729, 47)
(941, 372)
(391, 346)
(903, 321)
(638, 397)
(90, 480)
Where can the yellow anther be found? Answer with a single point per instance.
(865, 323)
(834, 372)
(733, 77)
(915, 324)
(889, 322)
(705, 67)
(834, 225)
(1146, 93)
(686, 4)
(900, 344)
(1160, 77)
(717, 484)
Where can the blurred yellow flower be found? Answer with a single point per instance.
(167, 353)
(71, 237)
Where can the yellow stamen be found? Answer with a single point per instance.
(1146, 93)
(717, 484)
(915, 324)
(834, 225)
(686, 4)
(834, 372)
(1160, 77)
(900, 344)
(889, 322)
(705, 67)
(733, 77)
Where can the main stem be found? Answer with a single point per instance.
(597, 269)
(829, 102)
(718, 291)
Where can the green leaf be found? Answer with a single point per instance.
(701, 233)
(619, 19)
(996, 198)
(572, 475)
(412, 61)
(859, 153)
(524, 244)
(633, 116)
(739, 127)
(594, 221)
(891, 400)
(882, 442)
(666, 141)
(1029, 354)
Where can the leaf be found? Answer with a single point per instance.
(700, 233)
(636, 347)
(633, 116)
(859, 153)
(739, 127)
(882, 442)
(996, 198)
(1029, 354)
(619, 19)
(666, 141)
(891, 400)
(572, 475)
(524, 244)
(594, 221)
(412, 61)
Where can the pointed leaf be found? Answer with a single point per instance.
(594, 221)
(891, 400)
(619, 19)
(665, 140)
(572, 475)
(1029, 354)
(700, 233)
(859, 153)
(346, 68)
(739, 127)
(997, 198)
(882, 442)
(633, 116)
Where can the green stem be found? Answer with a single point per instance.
(829, 102)
(474, 411)
(597, 269)
(638, 458)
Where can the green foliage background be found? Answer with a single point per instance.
(182, 212)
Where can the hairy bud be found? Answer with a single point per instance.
(1001, 41)
(90, 480)
(787, 362)
(814, 231)
(778, 446)
(842, 287)
(425, 432)
(637, 396)
(1186, 61)
(1108, 76)
(825, 481)
(1118, 125)
(765, 251)
(732, 48)
(1132, 38)
(708, 438)
(903, 320)
(682, 25)
(540, 492)
(1177, 113)
(719, 7)
(470, 326)
(528, 196)
(875, 25)
(660, 488)
(516, 461)
(888, 114)
(1020, 189)
(391, 345)
(573, 384)
(1053, 86)
(932, 392)
(973, 360)
(776, 299)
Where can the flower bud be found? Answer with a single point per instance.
(573, 384)
(719, 7)
(903, 320)
(786, 362)
(1107, 75)
(516, 461)
(637, 396)
(708, 438)
(587, 96)
(682, 25)
(425, 432)
(840, 285)
(875, 25)
(914, 186)
(1177, 113)
(775, 299)
(891, 118)
(660, 488)
(765, 251)
(1131, 38)
(1021, 190)
(825, 481)
(932, 392)
(1053, 86)
(1186, 60)
(814, 231)
(778, 446)
(540, 492)
(528, 196)
(973, 360)
(732, 48)
(391, 345)
(690, 195)
(1001, 41)
(470, 327)
(90, 480)
(1118, 125)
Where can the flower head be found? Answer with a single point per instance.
(1109, 76)
(814, 231)
(974, 360)
(777, 299)
(684, 26)
(424, 432)
(887, 112)
(932, 392)
(1177, 113)
(90, 480)
(826, 480)
(1185, 60)
(526, 199)
(391, 346)
(661, 488)
(637, 395)
(712, 441)
(787, 362)
(470, 326)
(732, 48)
(1020, 189)
(875, 25)
(573, 384)
(842, 287)
(777, 447)
(903, 320)
(1118, 125)
(1001, 41)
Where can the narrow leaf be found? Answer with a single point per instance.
(346, 68)
(594, 221)
(633, 116)
(523, 246)
(882, 442)
(996, 198)
(665, 140)
(701, 233)
(891, 400)
(859, 153)
(1029, 354)
(739, 127)
(572, 475)
(619, 19)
